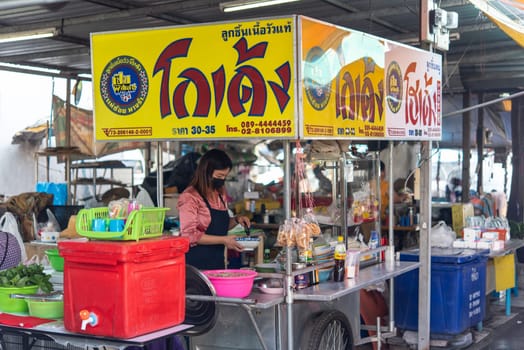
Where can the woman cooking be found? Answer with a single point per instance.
(204, 216)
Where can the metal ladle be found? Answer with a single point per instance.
(53, 296)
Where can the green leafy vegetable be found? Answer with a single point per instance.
(23, 276)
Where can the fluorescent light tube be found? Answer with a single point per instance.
(232, 6)
(27, 35)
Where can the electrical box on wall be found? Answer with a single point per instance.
(435, 24)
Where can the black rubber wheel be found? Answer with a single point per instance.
(329, 330)
(201, 314)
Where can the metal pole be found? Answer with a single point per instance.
(391, 238)
(159, 176)
(287, 214)
(343, 197)
(480, 148)
(68, 141)
(424, 276)
(466, 148)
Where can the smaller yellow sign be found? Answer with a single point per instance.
(342, 83)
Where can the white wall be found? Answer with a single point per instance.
(25, 100)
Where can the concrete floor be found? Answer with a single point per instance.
(499, 331)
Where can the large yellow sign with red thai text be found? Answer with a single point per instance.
(288, 78)
(213, 81)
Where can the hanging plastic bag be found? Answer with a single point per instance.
(9, 224)
(442, 235)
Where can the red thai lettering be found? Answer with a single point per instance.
(421, 106)
(246, 86)
(356, 98)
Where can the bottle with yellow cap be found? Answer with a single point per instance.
(340, 260)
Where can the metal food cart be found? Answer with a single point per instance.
(290, 78)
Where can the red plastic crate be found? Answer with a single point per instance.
(131, 288)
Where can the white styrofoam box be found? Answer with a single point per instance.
(459, 243)
(485, 244)
(490, 235)
(470, 244)
(498, 245)
(471, 234)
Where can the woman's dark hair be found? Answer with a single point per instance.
(212, 160)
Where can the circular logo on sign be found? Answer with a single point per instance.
(394, 87)
(124, 85)
(316, 79)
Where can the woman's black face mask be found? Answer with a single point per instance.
(218, 183)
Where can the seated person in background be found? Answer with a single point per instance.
(482, 205)
(476, 201)
(399, 193)
(500, 203)
(454, 190)
(488, 208)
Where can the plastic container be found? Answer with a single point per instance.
(458, 291)
(46, 308)
(128, 288)
(8, 304)
(232, 283)
(140, 224)
(57, 262)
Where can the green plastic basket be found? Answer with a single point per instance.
(57, 262)
(140, 224)
(12, 305)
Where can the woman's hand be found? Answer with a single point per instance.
(231, 243)
(243, 220)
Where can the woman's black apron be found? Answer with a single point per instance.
(208, 257)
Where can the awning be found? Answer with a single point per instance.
(508, 15)
(33, 134)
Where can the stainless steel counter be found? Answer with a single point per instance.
(329, 291)
(509, 247)
(256, 299)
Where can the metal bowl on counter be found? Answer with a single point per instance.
(270, 285)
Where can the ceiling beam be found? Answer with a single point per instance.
(101, 17)
(44, 55)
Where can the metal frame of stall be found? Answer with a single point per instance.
(111, 66)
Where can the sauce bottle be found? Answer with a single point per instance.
(340, 260)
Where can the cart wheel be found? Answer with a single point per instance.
(328, 330)
(201, 314)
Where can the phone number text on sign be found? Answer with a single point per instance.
(264, 127)
(119, 132)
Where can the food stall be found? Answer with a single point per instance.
(290, 78)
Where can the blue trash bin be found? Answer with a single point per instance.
(458, 290)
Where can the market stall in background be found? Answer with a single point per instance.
(314, 91)
(285, 78)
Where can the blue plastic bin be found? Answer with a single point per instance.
(458, 290)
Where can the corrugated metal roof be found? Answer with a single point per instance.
(482, 58)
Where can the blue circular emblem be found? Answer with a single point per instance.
(124, 85)
(317, 82)
(394, 87)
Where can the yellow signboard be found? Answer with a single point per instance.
(214, 81)
(355, 85)
(342, 82)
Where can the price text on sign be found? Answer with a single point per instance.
(229, 80)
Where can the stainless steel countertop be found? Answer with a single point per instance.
(509, 247)
(328, 291)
